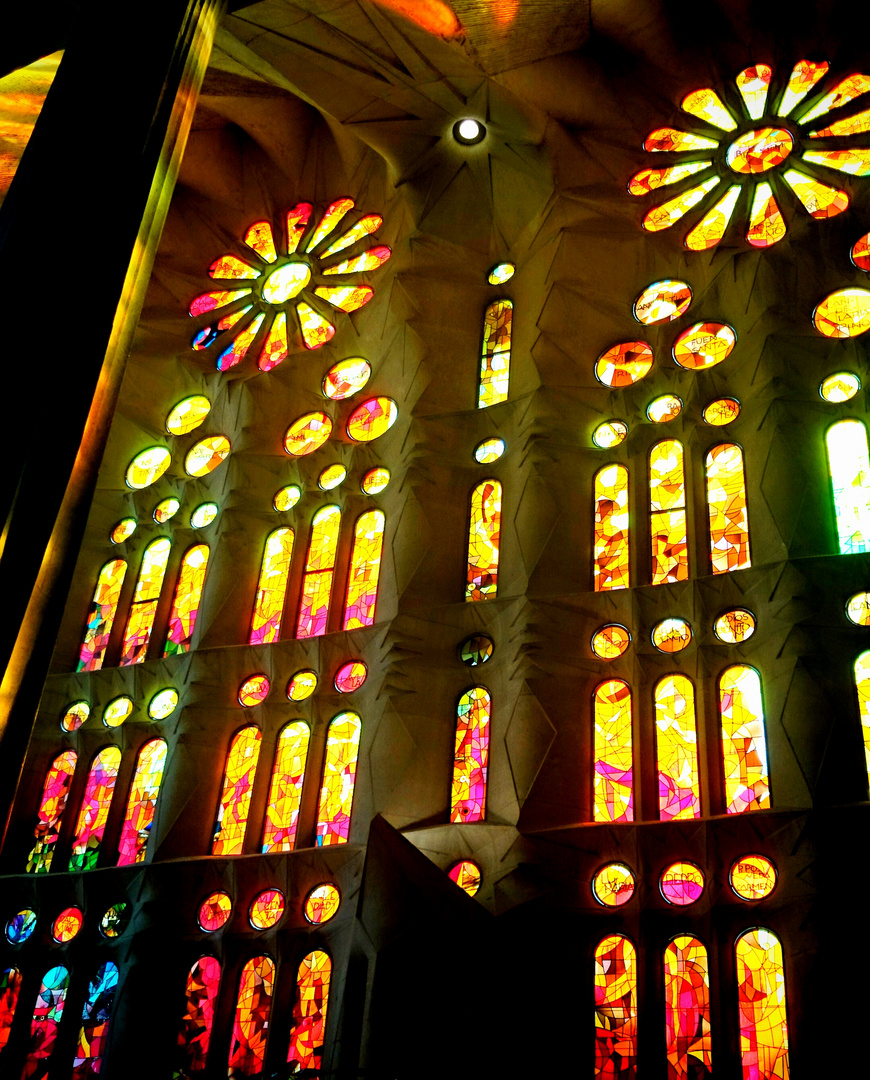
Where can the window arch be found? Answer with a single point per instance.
(762, 1005)
(727, 510)
(319, 572)
(677, 748)
(94, 812)
(142, 802)
(744, 747)
(200, 997)
(484, 540)
(667, 503)
(495, 359)
(251, 1023)
(862, 685)
(365, 569)
(471, 756)
(611, 554)
(849, 466)
(101, 617)
(55, 792)
(47, 1014)
(95, 1022)
(339, 778)
(615, 1007)
(185, 605)
(687, 1008)
(285, 794)
(613, 793)
(10, 988)
(309, 1012)
(272, 587)
(140, 621)
(235, 803)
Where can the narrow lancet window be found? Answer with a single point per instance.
(744, 747)
(612, 795)
(495, 358)
(185, 606)
(95, 1022)
(615, 1009)
(272, 587)
(727, 509)
(365, 569)
(142, 802)
(251, 1024)
(319, 572)
(285, 794)
(140, 621)
(94, 812)
(611, 570)
(339, 778)
(200, 998)
(232, 815)
(849, 466)
(677, 749)
(667, 504)
(687, 1010)
(101, 617)
(484, 539)
(762, 1005)
(471, 756)
(10, 988)
(862, 685)
(55, 792)
(47, 1015)
(309, 1012)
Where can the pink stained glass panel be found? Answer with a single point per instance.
(471, 756)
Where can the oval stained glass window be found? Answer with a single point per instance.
(624, 364)
(467, 876)
(163, 704)
(704, 345)
(372, 419)
(331, 477)
(115, 920)
(267, 909)
(843, 314)
(254, 691)
(610, 641)
(117, 711)
(860, 252)
(166, 510)
(610, 433)
(321, 904)
(214, 911)
(147, 467)
(488, 451)
(734, 626)
(858, 609)
(664, 408)
(753, 877)
(346, 378)
(682, 883)
(663, 301)
(307, 434)
(286, 498)
(842, 386)
(375, 480)
(75, 715)
(758, 151)
(21, 926)
(207, 455)
(123, 530)
(672, 635)
(501, 273)
(722, 411)
(203, 515)
(187, 415)
(476, 650)
(67, 925)
(613, 885)
(350, 676)
(302, 685)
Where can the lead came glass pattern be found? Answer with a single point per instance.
(94, 812)
(10, 988)
(55, 793)
(762, 1006)
(47, 1014)
(285, 794)
(101, 617)
(185, 604)
(272, 587)
(744, 748)
(612, 795)
(849, 465)
(140, 621)
(611, 555)
(677, 749)
(862, 685)
(142, 802)
(495, 360)
(309, 1012)
(687, 1010)
(251, 1023)
(484, 540)
(615, 1009)
(200, 999)
(727, 509)
(339, 779)
(232, 816)
(471, 756)
(95, 1022)
(319, 572)
(667, 503)
(365, 569)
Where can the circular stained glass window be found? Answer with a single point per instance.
(267, 909)
(682, 883)
(734, 626)
(610, 641)
(117, 711)
(753, 877)
(704, 345)
(350, 676)
(346, 378)
(21, 926)
(476, 650)
(115, 920)
(858, 609)
(187, 415)
(321, 904)
(286, 498)
(372, 419)
(207, 455)
(501, 273)
(254, 690)
(722, 411)
(163, 703)
(331, 477)
(166, 510)
(302, 685)
(67, 925)
(842, 386)
(610, 433)
(203, 515)
(488, 451)
(664, 408)
(467, 876)
(147, 467)
(375, 480)
(662, 301)
(307, 434)
(843, 314)
(672, 635)
(624, 364)
(123, 530)
(214, 911)
(75, 715)
(613, 885)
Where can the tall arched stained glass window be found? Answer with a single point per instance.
(185, 606)
(251, 1023)
(365, 569)
(744, 747)
(677, 749)
(471, 756)
(200, 998)
(309, 1012)
(862, 685)
(339, 778)
(285, 794)
(47, 1014)
(687, 1009)
(849, 466)
(495, 358)
(94, 812)
(319, 572)
(232, 816)
(101, 617)
(10, 988)
(667, 504)
(615, 1009)
(140, 621)
(55, 792)
(142, 802)
(610, 555)
(95, 1022)
(484, 540)
(762, 1005)
(612, 794)
(727, 509)
(272, 587)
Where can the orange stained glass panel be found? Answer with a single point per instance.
(753, 84)
(235, 802)
(704, 345)
(610, 641)
(843, 314)
(276, 345)
(615, 1009)
(762, 1006)
(94, 812)
(251, 1022)
(862, 685)
(345, 298)
(670, 212)
(855, 160)
(371, 259)
(307, 434)
(55, 792)
(484, 540)
(142, 802)
(297, 223)
(766, 223)
(611, 554)
(818, 199)
(259, 238)
(846, 90)
(309, 1012)
(285, 794)
(850, 125)
(200, 999)
(612, 793)
(687, 1010)
(467, 876)
(803, 78)
(677, 749)
(495, 357)
(365, 568)
(722, 411)
(711, 228)
(346, 377)
(624, 364)
(322, 903)
(727, 510)
(316, 330)
(231, 266)
(272, 587)
(372, 419)
(707, 105)
(101, 616)
(744, 745)
(663, 301)
(759, 151)
(333, 215)
(471, 756)
(319, 572)
(613, 885)
(672, 140)
(339, 778)
(667, 493)
(366, 225)
(648, 180)
(140, 621)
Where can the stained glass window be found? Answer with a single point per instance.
(339, 776)
(319, 572)
(185, 605)
(753, 877)
(142, 802)
(101, 616)
(613, 885)
(200, 998)
(471, 756)
(667, 503)
(762, 1005)
(285, 794)
(47, 1014)
(267, 909)
(677, 749)
(232, 816)
(95, 1022)
(612, 794)
(744, 747)
(372, 419)
(272, 587)
(10, 988)
(309, 1012)
(611, 566)
(615, 1008)
(55, 792)
(467, 876)
(251, 1023)
(495, 359)
(682, 883)
(849, 466)
(727, 510)
(350, 677)
(484, 540)
(687, 1009)
(365, 568)
(862, 685)
(94, 812)
(67, 925)
(140, 621)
